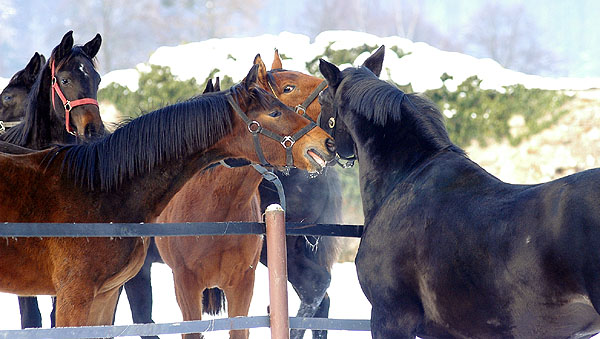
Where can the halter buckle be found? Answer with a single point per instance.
(287, 142)
(53, 81)
(254, 123)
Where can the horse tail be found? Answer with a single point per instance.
(213, 301)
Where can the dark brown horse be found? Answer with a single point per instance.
(29, 97)
(448, 250)
(68, 77)
(129, 176)
(14, 96)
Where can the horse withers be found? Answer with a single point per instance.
(129, 176)
(448, 249)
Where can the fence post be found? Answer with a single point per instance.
(277, 265)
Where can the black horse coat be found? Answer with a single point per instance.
(448, 249)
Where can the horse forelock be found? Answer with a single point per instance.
(153, 139)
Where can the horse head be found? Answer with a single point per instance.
(283, 137)
(14, 96)
(332, 118)
(73, 84)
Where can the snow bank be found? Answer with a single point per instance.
(422, 67)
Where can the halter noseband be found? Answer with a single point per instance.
(68, 105)
(255, 128)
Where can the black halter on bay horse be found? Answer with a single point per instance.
(67, 104)
(256, 129)
(301, 108)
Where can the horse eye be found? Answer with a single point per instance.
(289, 88)
(275, 114)
(7, 98)
(64, 81)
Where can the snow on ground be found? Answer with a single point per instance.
(347, 302)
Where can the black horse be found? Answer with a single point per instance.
(14, 95)
(43, 123)
(448, 249)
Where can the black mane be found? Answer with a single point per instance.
(33, 119)
(160, 136)
(382, 103)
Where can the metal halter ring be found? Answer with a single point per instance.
(288, 139)
(300, 108)
(254, 123)
(68, 106)
(331, 122)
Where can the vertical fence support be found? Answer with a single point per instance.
(277, 264)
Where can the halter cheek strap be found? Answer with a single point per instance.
(68, 105)
(304, 105)
(255, 128)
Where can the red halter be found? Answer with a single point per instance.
(68, 105)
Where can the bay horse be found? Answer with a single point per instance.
(62, 104)
(227, 262)
(14, 96)
(130, 176)
(448, 249)
(309, 199)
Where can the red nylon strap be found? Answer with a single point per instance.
(68, 105)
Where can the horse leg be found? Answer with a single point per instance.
(30, 312)
(188, 293)
(239, 296)
(73, 305)
(400, 320)
(322, 312)
(310, 281)
(139, 294)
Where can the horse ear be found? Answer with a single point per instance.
(331, 72)
(375, 61)
(92, 47)
(65, 46)
(33, 68)
(209, 87)
(276, 61)
(251, 78)
(217, 85)
(262, 71)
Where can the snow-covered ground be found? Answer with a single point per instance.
(347, 302)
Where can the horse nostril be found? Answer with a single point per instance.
(330, 144)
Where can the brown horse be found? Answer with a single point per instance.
(129, 176)
(309, 199)
(221, 194)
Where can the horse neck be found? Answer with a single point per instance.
(388, 155)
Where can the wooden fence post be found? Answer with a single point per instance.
(277, 265)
